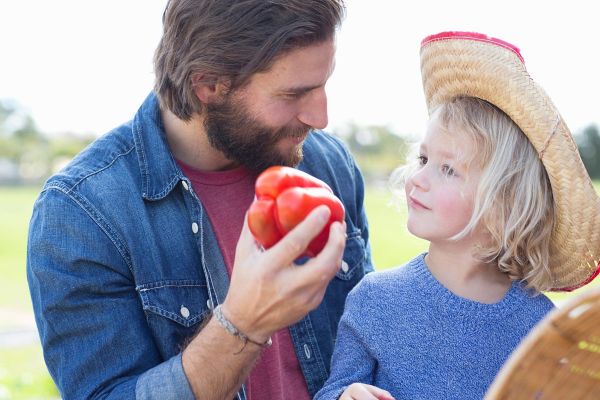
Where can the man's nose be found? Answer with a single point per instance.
(314, 110)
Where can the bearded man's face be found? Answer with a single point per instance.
(243, 139)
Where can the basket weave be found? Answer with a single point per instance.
(559, 359)
(470, 64)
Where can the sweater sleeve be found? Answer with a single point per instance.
(352, 360)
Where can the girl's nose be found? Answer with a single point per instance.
(419, 178)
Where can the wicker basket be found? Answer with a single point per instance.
(559, 359)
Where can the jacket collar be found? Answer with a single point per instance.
(159, 171)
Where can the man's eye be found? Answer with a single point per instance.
(422, 160)
(293, 95)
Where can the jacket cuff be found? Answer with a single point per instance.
(165, 381)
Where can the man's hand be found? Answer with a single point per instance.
(268, 291)
(362, 391)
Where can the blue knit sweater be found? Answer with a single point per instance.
(406, 333)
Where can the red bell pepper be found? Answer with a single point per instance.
(284, 197)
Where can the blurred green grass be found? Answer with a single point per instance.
(23, 374)
(391, 242)
(15, 210)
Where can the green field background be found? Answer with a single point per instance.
(22, 372)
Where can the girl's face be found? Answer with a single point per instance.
(441, 190)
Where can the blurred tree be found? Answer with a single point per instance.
(5, 111)
(377, 149)
(588, 142)
(26, 150)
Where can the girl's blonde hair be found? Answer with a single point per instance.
(513, 201)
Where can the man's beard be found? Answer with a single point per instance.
(241, 138)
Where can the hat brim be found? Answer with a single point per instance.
(470, 64)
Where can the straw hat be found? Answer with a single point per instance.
(559, 359)
(472, 64)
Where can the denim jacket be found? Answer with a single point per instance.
(123, 265)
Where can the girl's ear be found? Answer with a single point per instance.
(208, 88)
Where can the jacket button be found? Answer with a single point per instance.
(195, 227)
(185, 313)
(185, 185)
(307, 351)
(345, 267)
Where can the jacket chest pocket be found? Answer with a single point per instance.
(355, 256)
(174, 311)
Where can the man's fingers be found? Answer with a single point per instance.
(318, 271)
(295, 241)
(325, 265)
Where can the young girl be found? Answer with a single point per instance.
(441, 326)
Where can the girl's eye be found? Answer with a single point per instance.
(422, 160)
(448, 170)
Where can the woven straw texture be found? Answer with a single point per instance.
(559, 359)
(458, 67)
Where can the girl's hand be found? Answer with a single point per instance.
(362, 391)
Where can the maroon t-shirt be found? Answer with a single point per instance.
(226, 195)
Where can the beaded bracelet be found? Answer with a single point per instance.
(229, 327)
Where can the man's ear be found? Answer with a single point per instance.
(209, 89)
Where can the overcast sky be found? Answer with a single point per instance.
(85, 66)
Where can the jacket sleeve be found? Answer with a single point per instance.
(92, 326)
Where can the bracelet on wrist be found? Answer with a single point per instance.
(232, 330)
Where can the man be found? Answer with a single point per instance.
(139, 283)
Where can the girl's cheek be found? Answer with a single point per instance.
(450, 202)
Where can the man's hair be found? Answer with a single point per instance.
(513, 200)
(232, 39)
